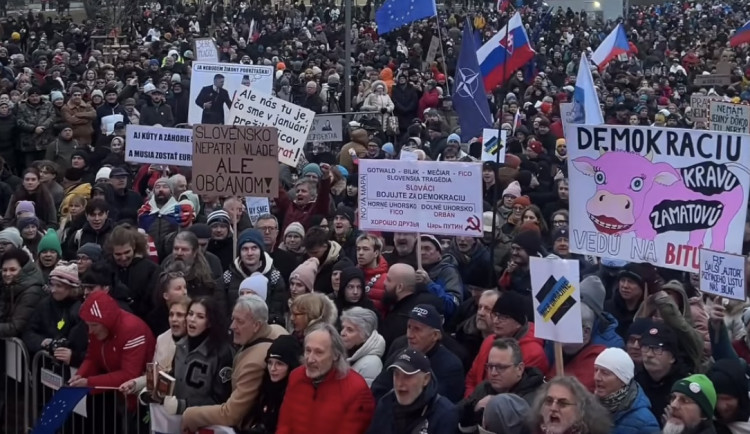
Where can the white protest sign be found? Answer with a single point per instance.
(205, 50)
(567, 115)
(431, 197)
(493, 145)
(556, 296)
(722, 274)
(160, 146)
(254, 108)
(649, 194)
(701, 106)
(326, 128)
(729, 117)
(408, 156)
(432, 50)
(256, 207)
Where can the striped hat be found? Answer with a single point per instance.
(219, 216)
(65, 273)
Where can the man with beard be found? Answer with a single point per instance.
(472, 256)
(732, 402)
(201, 280)
(344, 231)
(691, 406)
(473, 321)
(157, 216)
(404, 249)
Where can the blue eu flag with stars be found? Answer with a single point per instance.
(396, 13)
(469, 96)
(58, 409)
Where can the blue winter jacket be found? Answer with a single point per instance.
(636, 419)
(607, 337)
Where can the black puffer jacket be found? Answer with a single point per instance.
(56, 320)
(140, 278)
(19, 301)
(277, 296)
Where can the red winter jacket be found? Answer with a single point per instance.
(123, 355)
(375, 280)
(335, 406)
(292, 212)
(581, 366)
(532, 350)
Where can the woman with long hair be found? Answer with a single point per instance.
(33, 190)
(310, 309)
(20, 293)
(533, 214)
(564, 406)
(74, 218)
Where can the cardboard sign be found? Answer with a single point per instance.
(648, 194)
(701, 105)
(230, 160)
(432, 50)
(493, 145)
(217, 84)
(722, 274)
(160, 146)
(431, 197)
(252, 107)
(326, 128)
(556, 295)
(712, 80)
(205, 50)
(256, 207)
(567, 115)
(729, 117)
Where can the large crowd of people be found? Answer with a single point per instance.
(298, 322)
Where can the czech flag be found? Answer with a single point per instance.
(506, 52)
(613, 45)
(741, 36)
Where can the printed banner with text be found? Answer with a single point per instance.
(160, 146)
(656, 195)
(442, 198)
(293, 122)
(722, 274)
(232, 160)
(556, 296)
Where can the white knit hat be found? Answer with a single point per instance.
(103, 173)
(618, 362)
(257, 283)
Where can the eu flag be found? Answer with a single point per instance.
(396, 13)
(56, 411)
(469, 96)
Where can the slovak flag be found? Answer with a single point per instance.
(505, 53)
(502, 5)
(741, 36)
(613, 45)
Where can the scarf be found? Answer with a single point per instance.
(620, 399)
(407, 417)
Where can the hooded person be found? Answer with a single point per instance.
(251, 258)
(157, 216)
(732, 403)
(343, 301)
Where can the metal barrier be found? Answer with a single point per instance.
(15, 397)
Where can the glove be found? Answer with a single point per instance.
(383, 110)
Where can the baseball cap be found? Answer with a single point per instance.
(118, 171)
(411, 361)
(428, 315)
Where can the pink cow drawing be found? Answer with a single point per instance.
(630, 185)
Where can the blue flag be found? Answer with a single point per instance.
(56, 411)
(396, 13)
(469, 96)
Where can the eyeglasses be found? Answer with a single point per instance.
(656, 349)
(267, 228)
(80, 258)
(499, 317)
(497, 367)
(562, 403)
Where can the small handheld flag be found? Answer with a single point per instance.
(57, 411)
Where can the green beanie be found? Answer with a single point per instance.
(701, 390)
(50, 242)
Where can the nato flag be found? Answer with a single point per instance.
(469, 95)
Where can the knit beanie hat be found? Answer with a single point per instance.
(201, 230)
(164, 180)
(505, 413)
(700, 389)
(50, 242)
(27, 221)
(103, 173)
(514, 189)
(92, 250)
(11, 235)
(306, 273)
(55, 95)
(593, 293)
(513, 305)
(312, 168)
(345, 212)
(287, 349)
(618, 362)
(67, 274)
(342, 264)
(350, 273)
(295, 228)
(219, 216)
(251, 236)
(257, 283)
(524, 201)
(25, 207)
(530, 241)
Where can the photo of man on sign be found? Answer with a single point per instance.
(212, 99)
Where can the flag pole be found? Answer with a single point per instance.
(442, 54)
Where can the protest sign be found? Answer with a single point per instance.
(557, 300)
(326, 128)
(701, 107)
(567, 115)
(252, 107)
(712, 80)
(441, 198)
(159, 146)
(647, 194)
(231, 160)
(729, 117)
(256, 207)
(205, 50)
(432, 50)
(408, 155)
(493, 145)
(214, 85)
(722, 274)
